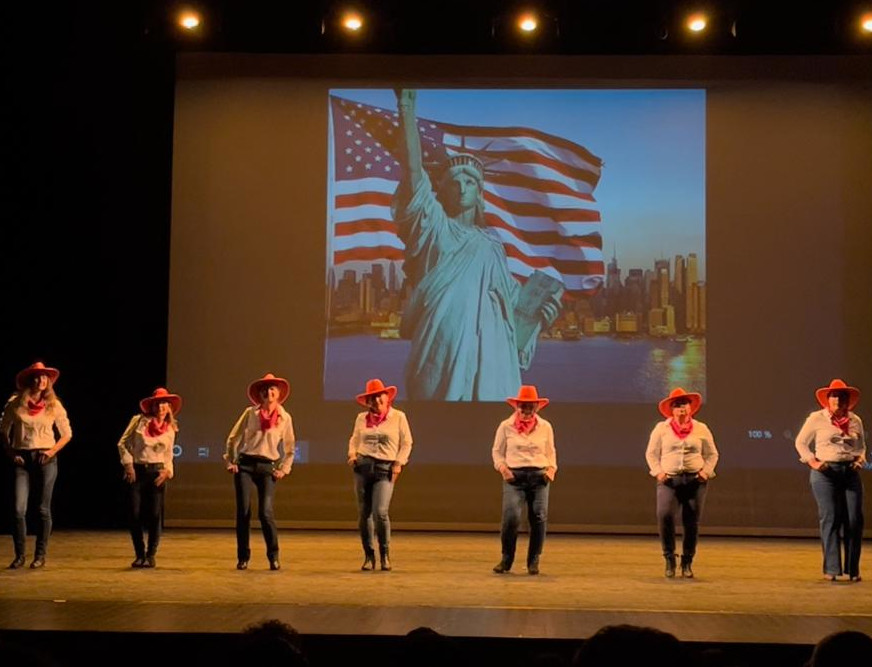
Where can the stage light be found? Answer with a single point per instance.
(351, 21)
(189, 20)
(528, 22)
(697, 22)
(866, 23)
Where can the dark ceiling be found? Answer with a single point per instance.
(742, 27)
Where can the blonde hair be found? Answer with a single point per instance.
(48, 394)
(171, 417)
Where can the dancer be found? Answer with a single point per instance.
(832, 443)
(682, 457)
(28, 426)
(260, 451)
(525, 456)
(379, 447)
(146, 450)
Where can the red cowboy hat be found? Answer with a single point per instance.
(376, 386)
(267, 380)
(161, 394)
(38, 368)
(665, 406)
(527, 394)
(838, 385)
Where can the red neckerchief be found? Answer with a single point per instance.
(374, 419)
(679, 430)
(156, 428)
(523, 426)
(35, 408)
(268, 420)
(841, 423)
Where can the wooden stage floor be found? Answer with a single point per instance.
(747, 590)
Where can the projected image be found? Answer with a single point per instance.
(482, 239)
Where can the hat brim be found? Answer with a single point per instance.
(391, 391)
(255, 387)
(23, 376)
(515, 402)
(853, 396)
(174, 400)
(665, 406)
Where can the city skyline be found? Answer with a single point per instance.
(667, 297)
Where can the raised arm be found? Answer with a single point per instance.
(413, 167)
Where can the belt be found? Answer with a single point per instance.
(149, 466)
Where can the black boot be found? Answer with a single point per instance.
(504, 565)
(686, 572)
(670, 566)
(368, 560)
(385, 560)
(533, 565)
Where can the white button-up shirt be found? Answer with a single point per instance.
(276, 444)
(667, 453)
(389, 441)
(524, 450)
(24, 431)
(137, 446)
(829, 442)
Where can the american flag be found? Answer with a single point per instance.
(538, 192)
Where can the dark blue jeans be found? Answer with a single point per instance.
(146, 508)
(683, 491)
(373, 488)
(42, 478)
(530, 488)
(255, 472)
(838, 491)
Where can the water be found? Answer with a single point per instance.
(596, 369)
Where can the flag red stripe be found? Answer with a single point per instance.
(363, 199)
(532, 210)
(364, 225)
(512, 132)
(374, 254)
(537, 184)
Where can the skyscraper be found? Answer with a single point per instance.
(691, 277)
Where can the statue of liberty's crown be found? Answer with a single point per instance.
(465, 160)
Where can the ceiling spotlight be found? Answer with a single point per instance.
(527, 23)
(351, 21)
(866, 23)
(697, 22)
(189, 20)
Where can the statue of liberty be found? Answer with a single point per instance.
(472, 327)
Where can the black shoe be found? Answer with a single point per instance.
(368, 562)
(17, 563)
(670, 567)
(242, 565)
(533, 567)
(274, 564)
(138, 563)
(502, 567)
(149, 562)
(856, 578)
(38, 562)
(686, 571)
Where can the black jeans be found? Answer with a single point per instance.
(255, 472)
(687, 492)
(146, 508)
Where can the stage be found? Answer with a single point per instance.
(747, 590)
